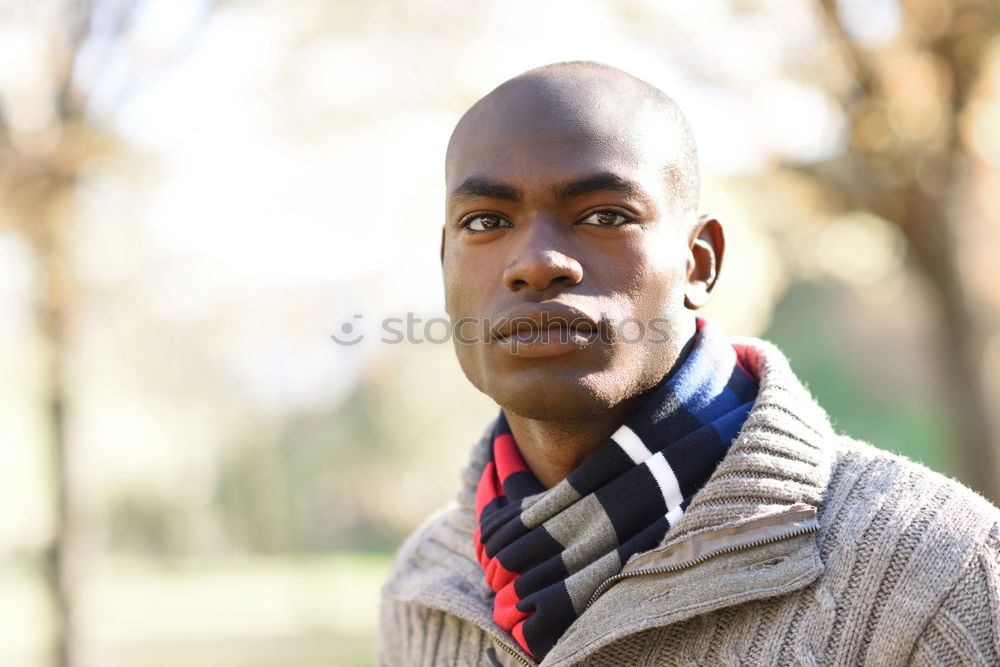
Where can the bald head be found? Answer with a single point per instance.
(574, 186)
(584, 100)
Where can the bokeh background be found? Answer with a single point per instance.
(195, 195)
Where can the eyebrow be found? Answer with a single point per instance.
(597, 182)
(480, 187)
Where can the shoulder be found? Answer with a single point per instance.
(899, 526)
(440, 546)
(887, 482)
(909, 562)
(871, 484)
(433, 575)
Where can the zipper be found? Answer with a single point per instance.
(497, 641)
(811, 527)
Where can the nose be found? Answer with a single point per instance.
(542, 262)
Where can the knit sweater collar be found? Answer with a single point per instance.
(778, 458)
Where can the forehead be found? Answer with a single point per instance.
(543, 157)
(531, 129)
(539, 152)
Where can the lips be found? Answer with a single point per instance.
(535, 321)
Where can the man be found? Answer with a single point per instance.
(653, 492)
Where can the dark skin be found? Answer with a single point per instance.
(559, 212)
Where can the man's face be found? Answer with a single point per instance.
(561, 235)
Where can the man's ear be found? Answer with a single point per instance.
(707, 246)
(442, 244)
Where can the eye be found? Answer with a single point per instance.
(605, 219)
(485, 222)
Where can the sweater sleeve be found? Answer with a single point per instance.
(966, 628)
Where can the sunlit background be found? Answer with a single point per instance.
(195, 196)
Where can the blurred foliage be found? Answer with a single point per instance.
(290, 611)
(358, 475)
(912, 95)
(811, 327)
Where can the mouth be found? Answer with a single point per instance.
(545, 331)
(552, 334)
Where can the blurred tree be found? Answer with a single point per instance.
(334, 479)
(44, 141)
(911, 90)
(56, 56)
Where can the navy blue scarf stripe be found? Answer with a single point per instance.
(632, 502)
(607, 462)
(648, 539)
(550, 573)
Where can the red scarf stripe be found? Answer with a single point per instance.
(518, 632)
(499, 578)
(505, 611)
(487, 491)
(480, 549)
(508, 457)
(749, 360)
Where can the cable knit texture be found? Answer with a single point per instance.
(903, 568)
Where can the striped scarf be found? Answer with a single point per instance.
(545, 551)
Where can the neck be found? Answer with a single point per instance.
(553, 449)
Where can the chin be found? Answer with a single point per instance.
(551, 408)
(563, 389)
(559, 400)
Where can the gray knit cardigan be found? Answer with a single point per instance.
(895, 565)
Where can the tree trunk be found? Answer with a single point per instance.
(53, 299)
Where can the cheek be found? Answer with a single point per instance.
(461, 305)
(456, 287)
(656, 289)
(470, 275)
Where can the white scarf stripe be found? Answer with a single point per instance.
(631, 444)
(664, 475)
(673, 515)
(669, 487)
